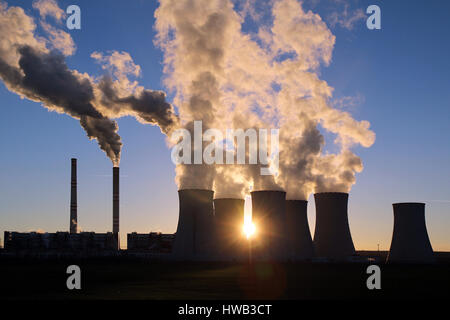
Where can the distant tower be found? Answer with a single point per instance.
(300, 246)
(269, 218)
(332, 238)
(73, 198)
(228, 226)
(410, 242)
(116, 197)
(194, 236)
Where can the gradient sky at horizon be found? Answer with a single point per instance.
(398, 77)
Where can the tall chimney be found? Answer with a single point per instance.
(410, 242)
(73, 198)
(116, 200)
(332, 238)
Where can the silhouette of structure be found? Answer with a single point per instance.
(60, 243)
(153, 242)
(269, 218)
(410, 242)
(228, 225)
(332, 238)
(116, 175)
(72, 242)
(73, 198)
(194, 236)
(300, 245)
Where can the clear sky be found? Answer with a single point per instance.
(398, 77)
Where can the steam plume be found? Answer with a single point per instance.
(268, 79)
(30, 69)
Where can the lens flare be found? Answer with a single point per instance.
(249, 229)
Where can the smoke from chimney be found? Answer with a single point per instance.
(33, 71)
(219, 74)
(73, 197)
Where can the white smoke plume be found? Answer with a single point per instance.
(268, 79)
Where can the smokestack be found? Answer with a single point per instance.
(269, 218)
(194, 236)
(116, 200)
(300, 246)
(332, 238)
(228, 225)
(73, 197)
(410, 242)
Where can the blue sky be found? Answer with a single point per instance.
(400, 74)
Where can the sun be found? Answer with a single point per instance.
(249, 229)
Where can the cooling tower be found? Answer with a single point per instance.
(194, 236)
(299, 242)
(269, 218)
(410, 242)
(332, 238)
(73, 198)
(228, 224)
(116, 199)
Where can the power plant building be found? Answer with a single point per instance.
(410, 242)
(153, 242)
(87, 243)
(212, 229)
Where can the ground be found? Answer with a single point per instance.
(126, 279)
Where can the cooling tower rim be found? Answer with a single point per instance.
(398, 204)
(297, 200)
(195, 189)
(331, 192)
(267, 191)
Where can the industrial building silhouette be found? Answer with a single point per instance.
(211, 230)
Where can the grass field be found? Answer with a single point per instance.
(125, 279)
